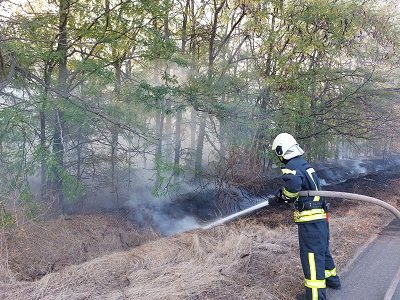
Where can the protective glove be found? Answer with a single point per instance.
(277, 200)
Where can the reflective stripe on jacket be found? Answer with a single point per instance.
(298, 175)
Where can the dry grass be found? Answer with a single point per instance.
(36, 249)
(228, 262)
(253, 258)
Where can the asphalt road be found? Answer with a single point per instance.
(374, 274)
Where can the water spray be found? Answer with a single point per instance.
(330, 194)
(238, 214)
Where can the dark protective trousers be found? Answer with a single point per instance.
(316, 259)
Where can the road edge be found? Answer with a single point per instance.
(360, 250)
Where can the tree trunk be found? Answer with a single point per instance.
(42, 134)
(114, 134)
(159, 133)
(203, 117)
(193, 120)
(177, 138)
(259, 144)
(177, 143)
(58, 138)
(200, 145)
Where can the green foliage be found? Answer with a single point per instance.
(7, 219)
(30, 207)
(316, 69)
(72, 188)
(159, 48)
(165, 172)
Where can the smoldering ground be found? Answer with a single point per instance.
(161, 213)
(191, 206)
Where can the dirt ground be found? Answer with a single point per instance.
(106, 257)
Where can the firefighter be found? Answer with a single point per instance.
(311, 216)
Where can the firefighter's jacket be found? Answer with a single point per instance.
(298, 175)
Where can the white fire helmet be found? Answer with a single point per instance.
(286, 147)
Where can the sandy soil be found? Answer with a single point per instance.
(102, 257)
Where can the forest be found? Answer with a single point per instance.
(101, 99)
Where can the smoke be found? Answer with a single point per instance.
(161, 213)
(169, 226)
(338, 171)
(190, 206)
(322, 182)
(357, 168)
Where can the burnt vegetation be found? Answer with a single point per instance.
(123, 122)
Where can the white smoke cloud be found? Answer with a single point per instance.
(159, 212)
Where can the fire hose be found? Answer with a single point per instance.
(330, 194)
(352, 196)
